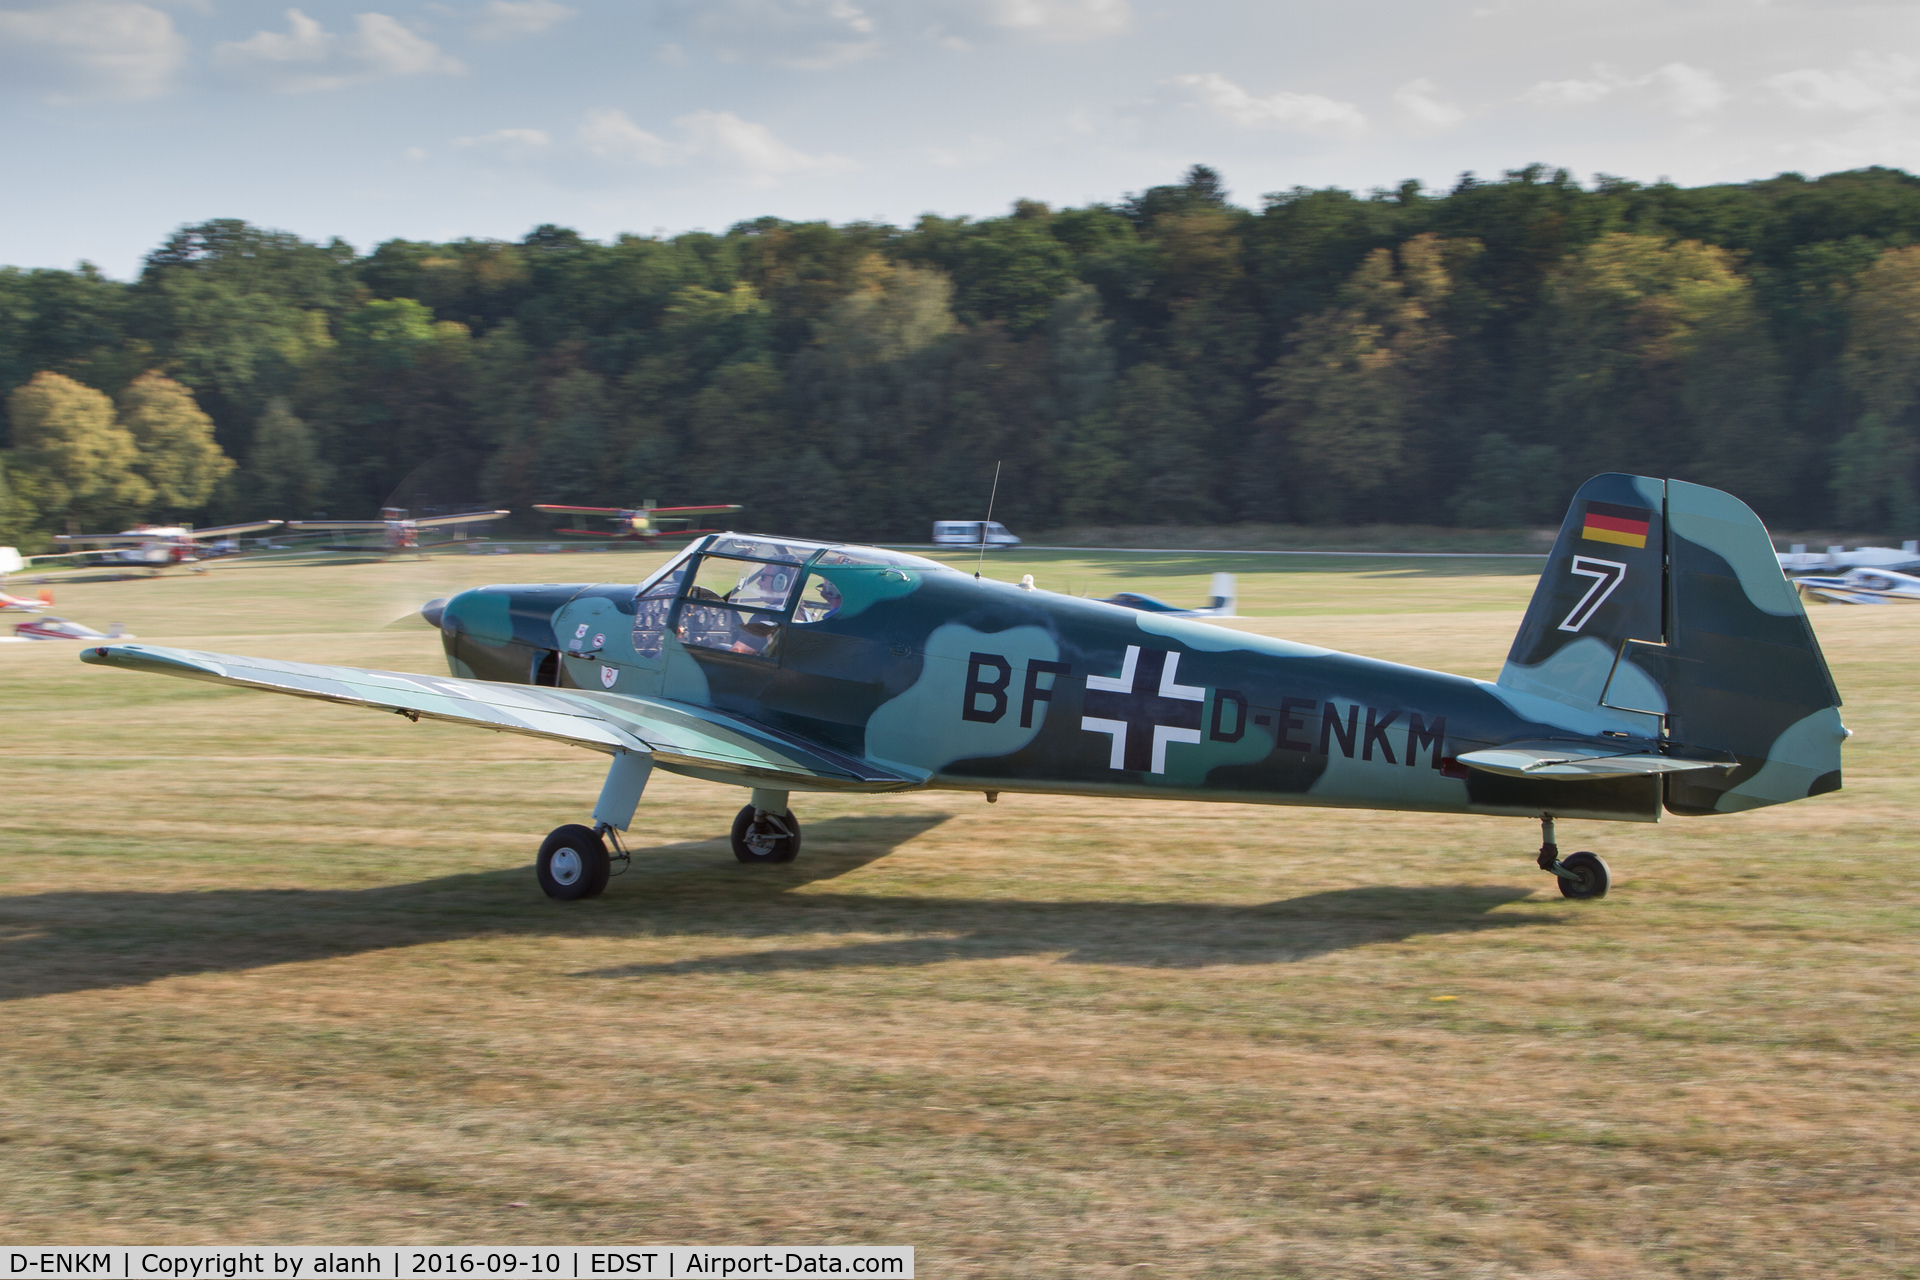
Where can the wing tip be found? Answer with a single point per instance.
(137, 657)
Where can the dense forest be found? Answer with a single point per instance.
(1461, 358)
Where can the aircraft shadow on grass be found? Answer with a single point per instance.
(79, 940)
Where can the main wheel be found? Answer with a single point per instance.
(1590, 877)
(573, 863)
(766, 838)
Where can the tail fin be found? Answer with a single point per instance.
(1224, 595)
(1664, 602)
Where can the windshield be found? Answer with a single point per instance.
(879, 558)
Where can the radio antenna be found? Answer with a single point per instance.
(982, 559)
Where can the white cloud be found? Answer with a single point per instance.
(606, 132)
(1684, 90)
(90, 50)
(976, 150)
(511, 19)
(1873, 83)
(810, 34)
(821, 34)
(1060, 19)
(515, 146)
(607, 140)
(1418, 99)
(1690, 91)
(751, 149)
(307, 57)
(1305, 112)
(387, 48)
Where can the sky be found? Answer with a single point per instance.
(121, 121)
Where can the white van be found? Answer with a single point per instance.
(967, 533)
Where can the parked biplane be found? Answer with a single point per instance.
(157, 546)
(644, 523)
(1664, 665)
(400, 533)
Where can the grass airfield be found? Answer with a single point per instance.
(278, 971)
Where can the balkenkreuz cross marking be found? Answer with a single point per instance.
(1143, 709)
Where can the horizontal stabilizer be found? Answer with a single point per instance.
(1577, 760)
(1838, 595)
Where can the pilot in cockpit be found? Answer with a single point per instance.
(820, 601)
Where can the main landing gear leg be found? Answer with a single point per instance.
(573, 861)
(766, 830)
(1581, 875)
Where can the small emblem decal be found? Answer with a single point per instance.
(581, 630)
(599, 642)
(608, 675)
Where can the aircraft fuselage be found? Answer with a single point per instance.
(981, 686)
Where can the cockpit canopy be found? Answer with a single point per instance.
(736, 592)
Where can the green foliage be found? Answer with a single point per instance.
(286, 477)
(178, 454)
(19, 516)
(1510, 486)
(83, 465)
(1345, 397)
(1403, 355)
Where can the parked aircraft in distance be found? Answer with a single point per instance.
(158, 546)
(18, 604)
(401, 533)
(1801, 560)
(50, 628)
(645, 522)
(1220, 605)
(1664, 665)
(1861, 586)
(972, 533)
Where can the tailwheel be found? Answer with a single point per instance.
(1583, 875)
(573, 863)
(760, 835)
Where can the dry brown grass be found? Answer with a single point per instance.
(277, 970)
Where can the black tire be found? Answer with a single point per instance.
(763, 841)
(1590, 877)
(573, 863)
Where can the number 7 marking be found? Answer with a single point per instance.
(1606, 575)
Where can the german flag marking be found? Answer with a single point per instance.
(1622, 526)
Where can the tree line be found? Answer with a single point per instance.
(1460, 357)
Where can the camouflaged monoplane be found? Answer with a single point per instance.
(1664, 665)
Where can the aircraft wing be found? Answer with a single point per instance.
(1577, 760)
(474, 518)
(336, 524)
(578, 511)
(694, 511)
(107, 539)
(229, 530)
(1840, 595)
(697, 739)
